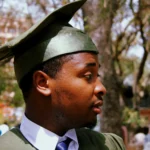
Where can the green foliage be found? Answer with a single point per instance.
(132, 119)
(18, 98)
(124, 66)
(2, 85)
(10, 93)
(127, 66)
(2, 81)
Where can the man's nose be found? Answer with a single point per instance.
(99, 88)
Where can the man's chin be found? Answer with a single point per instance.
(91, 125)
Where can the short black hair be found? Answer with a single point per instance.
(50, 67)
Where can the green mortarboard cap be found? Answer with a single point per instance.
(50, 37)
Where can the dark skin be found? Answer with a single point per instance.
(71, 100)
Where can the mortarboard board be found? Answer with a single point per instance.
(50, 37)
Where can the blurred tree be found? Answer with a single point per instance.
(132, 119)
(117, 27)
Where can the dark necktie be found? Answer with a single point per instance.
(63, 145)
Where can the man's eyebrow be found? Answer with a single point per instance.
(92, 64)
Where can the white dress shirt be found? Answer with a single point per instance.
(43, 139)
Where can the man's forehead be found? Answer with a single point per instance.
(89, 59)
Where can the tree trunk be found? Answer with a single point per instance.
(98, 22)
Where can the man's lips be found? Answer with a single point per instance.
(97, 105)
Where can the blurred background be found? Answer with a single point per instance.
(121, 31)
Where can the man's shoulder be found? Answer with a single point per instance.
(14, 140)
(105, 140)
(89, 132)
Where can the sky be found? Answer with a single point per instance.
(136, 51)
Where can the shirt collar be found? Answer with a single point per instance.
(42, 138)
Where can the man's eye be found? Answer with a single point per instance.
(88, 76)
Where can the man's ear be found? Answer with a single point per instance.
(41, 82)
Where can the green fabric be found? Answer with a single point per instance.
(14, 140)
(49, 38)
(91, 140)
(88, 140)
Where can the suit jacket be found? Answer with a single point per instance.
(88, 140)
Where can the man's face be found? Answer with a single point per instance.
(77, 92)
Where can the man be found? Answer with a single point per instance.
(56, 67)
